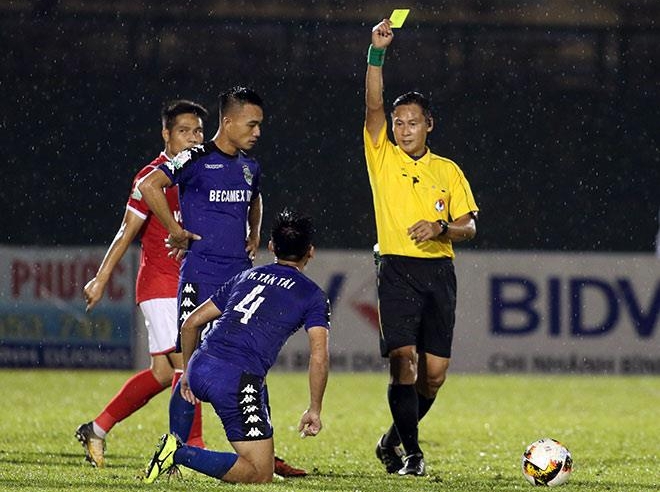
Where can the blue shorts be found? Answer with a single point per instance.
(192, 294)
(239, 398)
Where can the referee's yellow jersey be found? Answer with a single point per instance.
(407, 190)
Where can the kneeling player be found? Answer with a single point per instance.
(258, 311)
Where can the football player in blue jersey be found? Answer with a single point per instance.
(221, 208)
(255, 313)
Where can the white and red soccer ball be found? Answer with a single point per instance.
(547, 462)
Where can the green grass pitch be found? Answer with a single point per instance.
(473, 437)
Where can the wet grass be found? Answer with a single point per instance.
(473, 437)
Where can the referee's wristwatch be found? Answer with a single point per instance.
(444, 227)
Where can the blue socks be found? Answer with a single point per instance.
(212, 463)
(182, 414)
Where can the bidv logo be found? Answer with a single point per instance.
(592, 306)
(367, 309)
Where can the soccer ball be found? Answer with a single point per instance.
(547, 462)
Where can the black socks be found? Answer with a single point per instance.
(424, 404)
(404, 406)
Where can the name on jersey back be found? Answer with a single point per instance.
(270, 279)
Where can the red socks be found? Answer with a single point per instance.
(135, 393)
(195, 437)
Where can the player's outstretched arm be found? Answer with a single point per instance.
(319, 363)
(94, 289)
(381, 37)
(201, 315)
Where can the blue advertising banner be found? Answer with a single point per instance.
(43, 322)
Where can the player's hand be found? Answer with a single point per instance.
(423, 230)
(251, 247)
(93, 292)
(310, 424)
(178, 243)
(381, 34)
(186, 392)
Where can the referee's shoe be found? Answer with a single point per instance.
(414, 465)
(390, 456)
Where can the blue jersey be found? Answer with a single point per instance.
(261, 308)
(215, 191)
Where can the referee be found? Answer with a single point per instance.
(423, 204)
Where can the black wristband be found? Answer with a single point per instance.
(444, 227)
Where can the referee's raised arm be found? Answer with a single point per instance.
(381, 37)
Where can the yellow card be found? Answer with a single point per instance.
(398, 17)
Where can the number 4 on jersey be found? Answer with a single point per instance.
(250, 303)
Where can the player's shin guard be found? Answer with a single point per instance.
(181, 414)
(212, 463)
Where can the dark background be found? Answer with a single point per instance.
(551, 110)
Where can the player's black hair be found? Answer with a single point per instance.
(238, 96)
(172, 109)
(414, 97)
(292, 235)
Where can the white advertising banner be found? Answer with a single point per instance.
(517, 312)
(42, 312)
(349, 280)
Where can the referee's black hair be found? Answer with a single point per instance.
(414, 97)
(292, 235)
(172, 109)
(238, 96)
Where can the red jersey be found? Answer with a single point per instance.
(158, 274)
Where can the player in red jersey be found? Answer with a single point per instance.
(156, 287)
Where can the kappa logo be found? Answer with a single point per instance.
(249, 389)
(188, 289)
(247, 399)
(187, 302)
(184, 315)
(254, 432)
(251, 407)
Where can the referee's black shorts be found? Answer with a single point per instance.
(416, 303)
